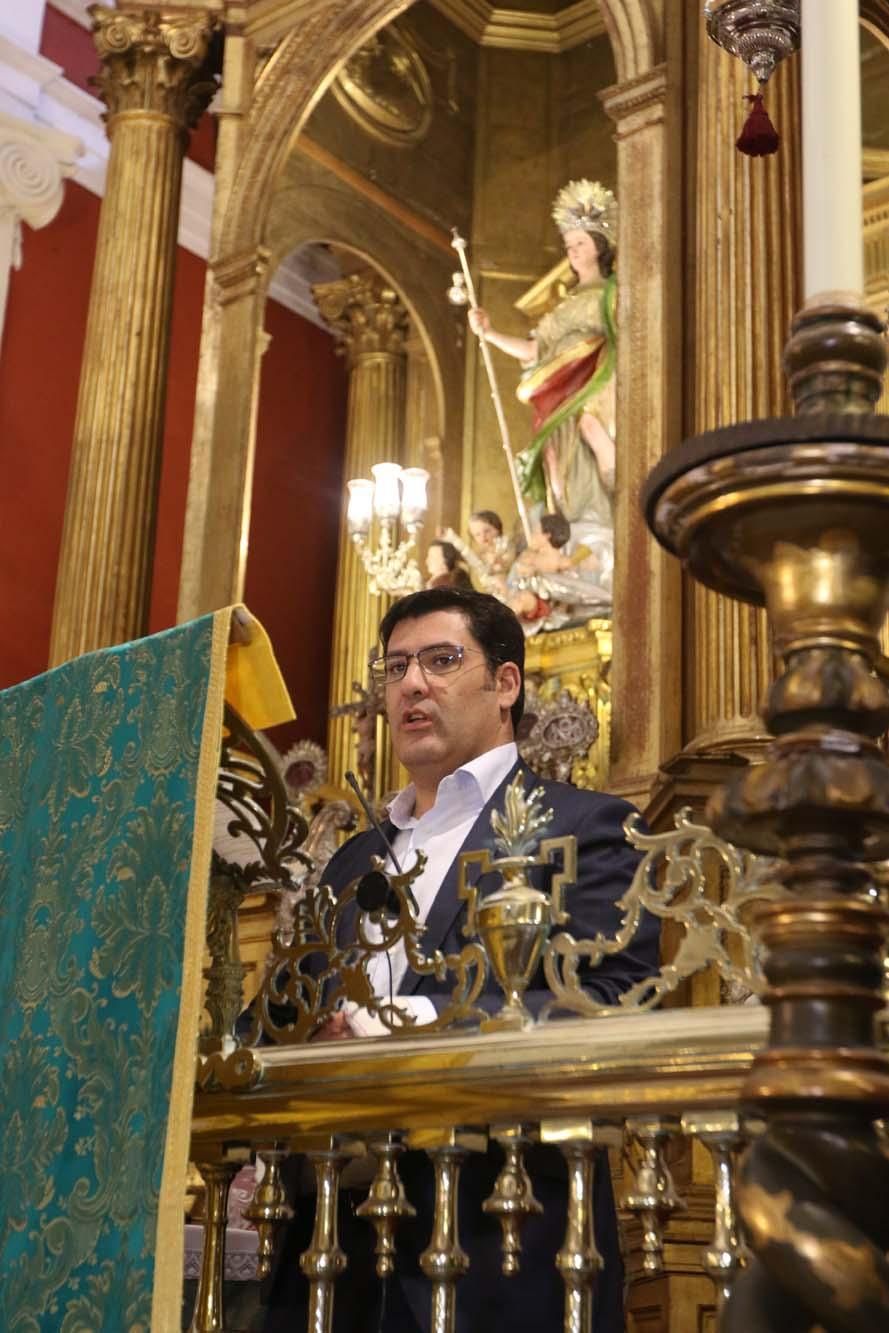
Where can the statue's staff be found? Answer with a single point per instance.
(466, 292)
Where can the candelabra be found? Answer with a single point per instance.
(396, 498)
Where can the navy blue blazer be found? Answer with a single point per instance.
(486, 1301)
(605, 866)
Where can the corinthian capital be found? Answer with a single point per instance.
(154, 61)
(365, 311)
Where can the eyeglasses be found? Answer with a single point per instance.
(439, 659)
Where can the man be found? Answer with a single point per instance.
(452, 666)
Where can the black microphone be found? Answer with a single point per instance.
(374, 892)
(373, 888)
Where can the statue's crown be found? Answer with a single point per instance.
(586, 206)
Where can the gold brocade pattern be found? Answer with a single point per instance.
(101, 769)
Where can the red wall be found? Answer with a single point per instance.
(185, 339)
(291, 564)
(297, 498)
(39, 374)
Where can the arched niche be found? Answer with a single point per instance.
(260, 117)
(310, 205)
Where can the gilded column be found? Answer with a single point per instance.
(646, 110)
(155, 82)
(373, 324)
(747, 288)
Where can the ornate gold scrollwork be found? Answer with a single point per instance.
(325, 960)
(310, 977)
(262, 820)
(671, 881)
(238, 1070)
(385, 88)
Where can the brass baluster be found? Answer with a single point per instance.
(268, 1208)
(579, 1259)
(208, 1311)
(386, 1203)
(512, 1200)
(324, 1261)
(654, 1198)
(727, 1255)
(443, 1262)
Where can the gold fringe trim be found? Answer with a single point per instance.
(169, 1248)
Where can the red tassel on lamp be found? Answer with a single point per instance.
(759, 137)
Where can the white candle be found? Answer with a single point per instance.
(831, 106)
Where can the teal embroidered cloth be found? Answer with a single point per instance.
(107, 773)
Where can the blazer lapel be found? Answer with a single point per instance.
(446, 906)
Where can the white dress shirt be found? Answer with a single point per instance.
(440, 833)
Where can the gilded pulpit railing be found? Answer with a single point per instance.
(598, 1077)
(579, 1083)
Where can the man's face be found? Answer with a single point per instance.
(441, 722)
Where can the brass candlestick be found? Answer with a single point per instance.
(794, 514)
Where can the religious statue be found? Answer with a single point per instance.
(444, 566)
(491, 553)
(568, 377)
(549, 586)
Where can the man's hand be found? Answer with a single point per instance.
(337, 1028)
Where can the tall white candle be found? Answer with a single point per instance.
(832, 208)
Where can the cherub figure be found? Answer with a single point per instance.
(549, 587)
(491, 553)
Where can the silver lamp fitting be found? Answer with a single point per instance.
(762, 33)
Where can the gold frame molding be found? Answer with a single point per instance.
(519, 30)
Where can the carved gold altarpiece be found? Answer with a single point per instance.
(684, 678)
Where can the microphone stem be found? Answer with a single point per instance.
(372, 819)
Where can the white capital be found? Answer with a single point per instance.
(34, 162)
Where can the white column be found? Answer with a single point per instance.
(831, 106)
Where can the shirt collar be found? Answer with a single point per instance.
(476, 782)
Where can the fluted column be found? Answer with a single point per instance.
(373, 323)
(647, 617)
(154, 82)
(746, 291)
